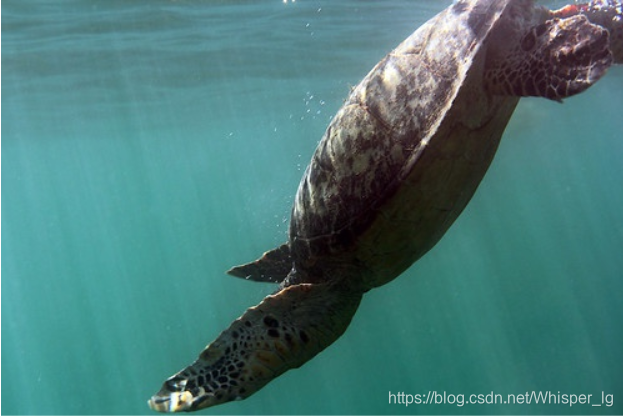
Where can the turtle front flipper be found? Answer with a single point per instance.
(555, 59)
(284, 331)
(273, 266)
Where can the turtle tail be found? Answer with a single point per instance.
(283, 332)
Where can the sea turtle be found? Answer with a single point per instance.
(398, 163)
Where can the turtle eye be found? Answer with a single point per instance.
(175, 384)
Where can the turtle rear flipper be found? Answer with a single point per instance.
(283, 332)
(555, 59)
(608, 14)
(273, 266)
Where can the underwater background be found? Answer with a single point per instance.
(149, 146)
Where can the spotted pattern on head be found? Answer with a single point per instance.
(227, 368)
(284, 331)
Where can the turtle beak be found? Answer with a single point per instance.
(176, 396)
(169, 400)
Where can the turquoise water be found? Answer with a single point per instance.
(149, 146)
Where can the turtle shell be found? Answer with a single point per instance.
(402, 157)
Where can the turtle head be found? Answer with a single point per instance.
(185, 391)
(228, 369)
(283, 332)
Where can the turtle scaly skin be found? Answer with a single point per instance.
(397, 165)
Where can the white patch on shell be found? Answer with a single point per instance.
(391, 76)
